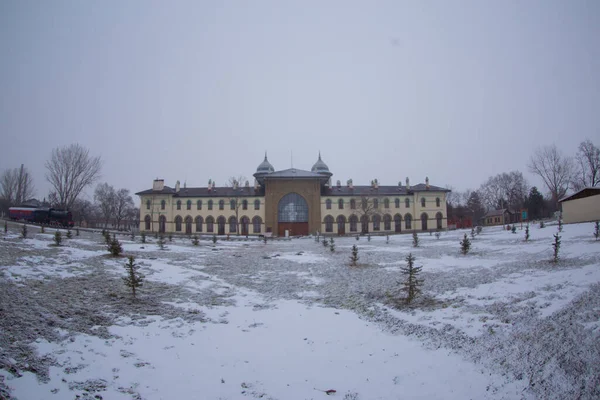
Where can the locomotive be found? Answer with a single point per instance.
(45, 216)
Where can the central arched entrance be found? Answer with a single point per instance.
(292, 215)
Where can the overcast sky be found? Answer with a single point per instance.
(457, 91)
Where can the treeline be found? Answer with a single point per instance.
(560, 174)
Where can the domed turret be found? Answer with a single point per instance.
(320, 167)
(265, 167)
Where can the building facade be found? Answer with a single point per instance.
(295, 201)
(583, 206)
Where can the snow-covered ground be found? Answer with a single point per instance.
(291, 320)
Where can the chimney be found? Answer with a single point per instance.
(427, 182)
(177, 187)
(339, 184)
(407, 184)
(255, 185)
(350, 184)
(376, 184)
(209, 185)
(235, 184)
(399, 185)
(158, 185)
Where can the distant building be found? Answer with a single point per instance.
(582, 206)
(297, 201)
(501, 217)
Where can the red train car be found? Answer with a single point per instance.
(24, 213)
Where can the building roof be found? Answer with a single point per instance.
(320, 166)
(585, 192)
(265, 167)
(495, 213)
(380, 191)
(204, 192)
(295, 173)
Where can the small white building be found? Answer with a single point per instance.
(583, 206)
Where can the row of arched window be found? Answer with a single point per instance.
(197, 224)
(377, 221)
(375, 203)
(210, 204)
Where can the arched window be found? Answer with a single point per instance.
(244, 223)
(386, 203)
(341, 225)
(397, 203)
(178, 221)
(292, 208)
(256, 223)
(422, 201)
(232, 204)
(210, 204)
(210, 222)
(352, 204)
(162, 224)
(232, 224)
(437, 202)
(221, 225)
(189, 205)
(147, 204)
(407, 202)
(387, 222)
(353, 223)
(398, 223)
(364, 224)
(244, 204)
(199, 224)
(329, 223)
(188, 224)
(341, 204)
(438, 218)
(424, 218)
(221, 204)
(408, 221)
(375, 203)
(147, 222)
(376, 222)
(257, 204)
(179, 204)
(199, 205)
(162, 204)
(328, 204)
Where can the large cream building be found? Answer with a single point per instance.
(293, 200)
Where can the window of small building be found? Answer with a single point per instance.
(352, 204)
(329, 223)
(256, 223)
(199, 205)
(244, 204)
(422, 201)
(397, 203)
(189, 205)
(163, 204)
(375, 203)
(328, 204)
(179, 204)
(178, 221)
(147, 204)
(376, 222)
(210, 206)
(437, 202)
(407, 203)
(232, 204)
(221, 204)
(341, 204)
(386, 203)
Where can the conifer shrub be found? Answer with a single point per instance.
(597, 229)
(76, 231)
(357, 238)
(332, 244)
(411, 284)
(57, 238)
(143, 236)
(161, 242)
(560, 224)
(155, 235)
(387, 239)
(24, 231)
(265, 239)
(214, 239)
(354, 256)
(170, 236)
(369, 237)
(556, 247)
(134, 278)
(69, 234)
(465, 245)
(5, 227)
(437, 235)
(42, 230)
(472, 233)
(325, 243)
(415, 239)
(132, 236)
(479, 229)
(107, 238)
(542, 225)
(527, 232)
(513, 229)
(115, 247)
(195, 240)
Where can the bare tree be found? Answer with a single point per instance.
(122, 206)
(588, 166)
(236, 196)
(555, 170)
(16, 185)
(505, 190)
(70, 170)
(105, 198)
(82, 210)
(368, 206)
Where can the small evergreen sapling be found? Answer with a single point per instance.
(214, 239)
(134, 278)
(155, 235)
(57, 238)
(5, 227)
(24, 231)
(331, 245)
(170, 237)
(107, 238)
(411, 284)
(437, 235)
(354, 256)
(542, 225)
(415, 239)
(369, 237)
(161, 242)
(465, 245)
(132, 235)
(387, 239)
(560, 224)
(556, 247)
(513, 229)
(357, 238)
(325, 243)
(69, 234)
(42, 230)
(473, 233)
(143, 235)
(597, 229)
(479, 229)
(76, 231)
(527, 232)
(115, 247)
(265, 239)
(195, 240)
